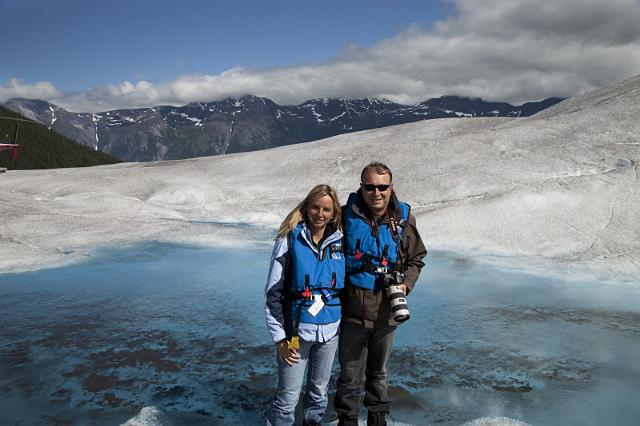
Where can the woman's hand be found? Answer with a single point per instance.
(288, 356)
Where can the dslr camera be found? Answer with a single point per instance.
(397, 299)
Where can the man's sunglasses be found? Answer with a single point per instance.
(371, 187)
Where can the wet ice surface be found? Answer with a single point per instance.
(181, 329)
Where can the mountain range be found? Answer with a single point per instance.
(246, 124)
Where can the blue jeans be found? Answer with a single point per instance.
(318, 357)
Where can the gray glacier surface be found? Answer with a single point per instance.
(556, 192)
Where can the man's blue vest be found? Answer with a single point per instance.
(369, 255)
(318, 270)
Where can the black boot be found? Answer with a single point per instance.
(348, 421)
(376, 419)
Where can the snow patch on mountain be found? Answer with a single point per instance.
(53, 116)
(342, 114)
(95, 118)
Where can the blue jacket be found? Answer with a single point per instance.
(297, 264)
(372, 247)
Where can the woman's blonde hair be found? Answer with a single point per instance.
(299, 213)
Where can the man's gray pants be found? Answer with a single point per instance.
(363, 352)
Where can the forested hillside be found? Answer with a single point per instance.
(41, 148)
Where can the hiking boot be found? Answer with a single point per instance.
(376, 419)
(348, 421)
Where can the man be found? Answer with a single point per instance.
(382, 247)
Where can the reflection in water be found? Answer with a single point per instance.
(182, 330)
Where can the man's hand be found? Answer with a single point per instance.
(403, 287)
(288, 356)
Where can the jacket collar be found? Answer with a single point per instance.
(331, 235)
(360, 208)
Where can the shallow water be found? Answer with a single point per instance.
(182, 329)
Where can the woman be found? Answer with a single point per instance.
(302, 305)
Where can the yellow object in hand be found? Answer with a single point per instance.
(294, 343)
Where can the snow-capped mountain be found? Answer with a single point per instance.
(246, 124)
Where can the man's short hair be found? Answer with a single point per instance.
(379, 168)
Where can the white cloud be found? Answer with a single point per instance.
(590, 21)
(515, 51)
(19, 89)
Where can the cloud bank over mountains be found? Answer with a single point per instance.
(513, 51)
(19, 89)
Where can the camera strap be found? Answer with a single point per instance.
(395, 234)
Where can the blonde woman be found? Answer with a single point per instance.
(302, 305)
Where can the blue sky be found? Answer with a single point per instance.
(79, 44)
(97, 55)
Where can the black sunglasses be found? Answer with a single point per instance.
(371, 187)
